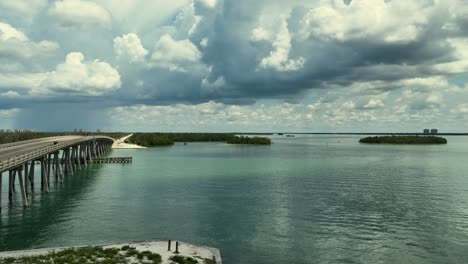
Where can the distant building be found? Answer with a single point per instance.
(426, 131)
(434, 131)
(98, 130)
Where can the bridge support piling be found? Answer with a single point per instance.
(26, 177)
(83, 154)
(70, 166)
(63, 162)
(58, 174)
(66, 166)
(12, 174)
(44, 176)
(31, 175)
(13, 187)
(0, 191)
(78, 157)
(72, 159)
(89, 153)
(49, 163)
(23, 191)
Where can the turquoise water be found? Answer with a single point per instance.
(308, 199)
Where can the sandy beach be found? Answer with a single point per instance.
(120, 144)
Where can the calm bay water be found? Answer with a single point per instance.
(309, 199)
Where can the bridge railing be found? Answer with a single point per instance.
(16, 161)
(18, 143)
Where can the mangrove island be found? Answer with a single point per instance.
(410, 140)
(168, 139)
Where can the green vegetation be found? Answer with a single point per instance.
(167, 139)
(10, 137)
(183, 260)
(249, 140)
(209, 261)
(143, 139)
(125, 254)
(404, 140)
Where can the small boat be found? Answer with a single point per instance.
(290, 136)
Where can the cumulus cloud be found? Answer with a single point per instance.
(462, 108)
(175, 55)
(374, 103)
(74, 77)
(24, 7)
(79, 14)
(344, 62)
(212, 116)
(129, 47)
(278, 59)
(15, 44)
(388, 21)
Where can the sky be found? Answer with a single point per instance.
(234, 65)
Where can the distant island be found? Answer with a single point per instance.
(168, 139)
(249, 140)
(410, 140)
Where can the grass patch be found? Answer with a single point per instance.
(126, 254)
(183, 260)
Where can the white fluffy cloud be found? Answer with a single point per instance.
(74, 77)
(278, 58)
(25, 7)
(209, 3)
(15, 44)
(374, 103)
(460, 52)
(175, 55)
(462, 108)
(79, 14)
(388, 21)
(213, 116)
(129, 47)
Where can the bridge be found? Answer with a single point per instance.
(59, 156)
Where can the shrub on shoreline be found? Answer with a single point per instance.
(410, 140)
(167, 139)
(249, 140)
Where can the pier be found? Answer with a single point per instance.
(113, 160)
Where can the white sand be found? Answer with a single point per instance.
(120, 144)
(159, 247)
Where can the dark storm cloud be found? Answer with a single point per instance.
(235, 57)
(235, 66)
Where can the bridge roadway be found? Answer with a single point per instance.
(19, 159)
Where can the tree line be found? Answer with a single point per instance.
(403, 140)
(167, 139)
